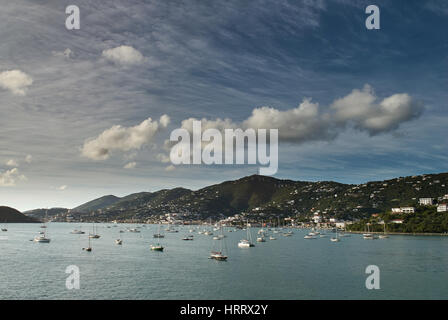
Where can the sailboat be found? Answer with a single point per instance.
(368, 235)
(157, 247)
(89, 248)
(94, 235)
(119, 241)
(218, 255)
(384, 235)
(76, 231)
(335, 239)
(246, 243)
(158, 234)
(4, 229)
(42, 237)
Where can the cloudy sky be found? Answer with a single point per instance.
(84, 113)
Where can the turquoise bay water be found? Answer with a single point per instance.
(286, 268)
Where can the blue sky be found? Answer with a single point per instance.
(215, 60)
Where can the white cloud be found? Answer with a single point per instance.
(15, 81)
(29, 158)
(12, 163)
(118, 138)
(361, 109)
(62, 188)
(10, 177)
(124, 55)
(308, 122)
(300, 124)
(130, 165)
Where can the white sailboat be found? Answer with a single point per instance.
(384, 235)
(158, 234)
(89, 248)
(246, 243)
(42, 238)
(368, 235)
(219, 255)
(158, 246)
(94, 235)
(335, 239)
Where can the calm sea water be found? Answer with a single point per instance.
(286, 268)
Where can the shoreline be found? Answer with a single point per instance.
(402, 233)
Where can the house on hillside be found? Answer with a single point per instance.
(425, 201)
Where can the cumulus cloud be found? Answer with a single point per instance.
(29, 158)
(130, 165)
(12, 163)
(62, 188)
(124, 55)
(300, 124)
(15, 81)
(310, 122)
(118, 138)
(9, 178)
(362, 109)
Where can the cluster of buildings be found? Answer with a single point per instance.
(442, 205)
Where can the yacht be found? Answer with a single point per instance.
(368, 235)
(217, 255)
(384, 235)
(261, 239)
(188, 238)
(272, 238)
(77, 232)
(157, 247)
(94, 235)
(89, 248)
(335, 239)
(42, 239)
(246, 243)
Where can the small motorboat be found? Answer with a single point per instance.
(119, 241)
(217, 255)
(156, 247)
(42, 239)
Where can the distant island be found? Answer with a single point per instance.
(10, 215)
(396, 202)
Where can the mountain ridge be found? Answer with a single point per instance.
(270, 196)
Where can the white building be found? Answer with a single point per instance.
(445, 197)
(425, 201)
(442, 208)
(403, 210)
(317, 219)
(340, 224)
(408, 209)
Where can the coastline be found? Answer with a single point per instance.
(401, 233)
